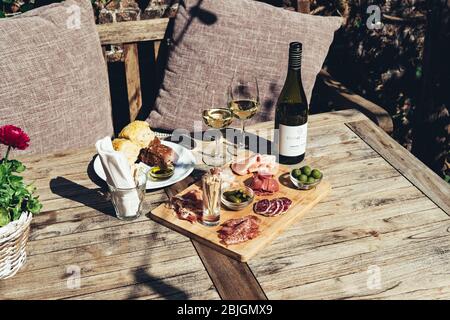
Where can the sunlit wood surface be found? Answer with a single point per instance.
(383, 232)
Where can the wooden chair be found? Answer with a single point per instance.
(132, 32)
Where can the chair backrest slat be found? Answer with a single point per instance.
(303, 6)
(132, 31)
(133, 79)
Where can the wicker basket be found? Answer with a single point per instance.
(13, 242)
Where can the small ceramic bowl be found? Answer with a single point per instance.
(304, 186)
(238, 206)
(156, 174)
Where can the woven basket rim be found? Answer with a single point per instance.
(13, 227)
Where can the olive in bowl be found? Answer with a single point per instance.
(306, 178)
(237, 198)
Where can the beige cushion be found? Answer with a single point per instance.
(54, 83)
(229, 34)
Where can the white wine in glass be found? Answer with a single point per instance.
(217, 118)
(243, 101)
(244, 109)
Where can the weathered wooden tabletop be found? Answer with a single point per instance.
(383, 232)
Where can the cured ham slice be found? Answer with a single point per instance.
(263, 184)
(263, 163)
(239, 230)
(188, 206)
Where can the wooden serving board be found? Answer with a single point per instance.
(270, 227)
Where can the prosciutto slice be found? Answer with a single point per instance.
(188, 206)
(263, 163)
(239, 230)
(263, 184)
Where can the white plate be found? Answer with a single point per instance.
(184, 165)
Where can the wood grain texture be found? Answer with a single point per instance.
(117, 259)
(233, 279)
(270, 227)
(379, 214)
(132, 31)
(132, 75)
(227, 274)
(409, 166)
(371, 215)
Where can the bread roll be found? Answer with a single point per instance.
(128, 148)
(138, 132)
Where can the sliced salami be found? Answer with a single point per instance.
(262, 206)
(286, 203)
(280, 206)
(272, 208)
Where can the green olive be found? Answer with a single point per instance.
(296, 173)
(316, 174)
(306, 170)
(310, 180)
(303, 178)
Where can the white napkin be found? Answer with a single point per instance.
(118, 174)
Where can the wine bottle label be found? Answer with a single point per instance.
(292, 140)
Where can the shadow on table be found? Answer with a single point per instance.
(164, 289)
(93, 176)
(93, 198)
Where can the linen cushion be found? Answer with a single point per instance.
(54, 82)
(219, 36)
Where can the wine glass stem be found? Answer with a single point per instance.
(217, 151)
(241, 144)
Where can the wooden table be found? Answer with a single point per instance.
(383, 232)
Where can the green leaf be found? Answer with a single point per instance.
(2, 14)
(16, 211)
(17, 166)
(34, 206)
(15, 182)
(4, 217)
(30, 188)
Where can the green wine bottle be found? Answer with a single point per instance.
(291, 114)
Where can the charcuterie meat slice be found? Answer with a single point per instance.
(261, 206)
(239, 230)
(272, 208)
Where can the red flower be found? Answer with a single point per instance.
(14, 137)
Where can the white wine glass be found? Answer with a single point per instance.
(243, 101)
(218, 118)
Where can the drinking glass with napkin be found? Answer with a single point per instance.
(127, 190)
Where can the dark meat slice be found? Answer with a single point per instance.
(273, 185)
(272, 208)
(286, 203)
(239, 230)
(263, 184)
(234, 222)
(256, 182)
(279, 207)
(261, 206)
(188, 206)
(157, 154)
